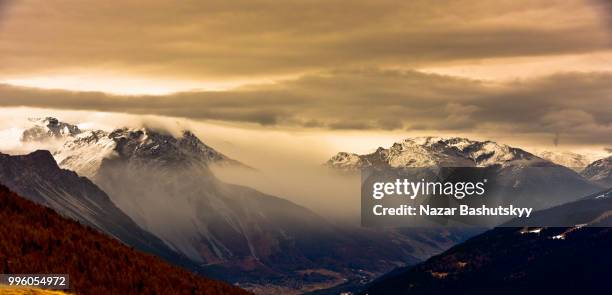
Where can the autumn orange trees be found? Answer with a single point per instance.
(36, 240)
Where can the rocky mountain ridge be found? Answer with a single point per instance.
(599, 171)
(436, 151)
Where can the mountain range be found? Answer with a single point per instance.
(160, 186)
(450, 152)
(164, 184)
(526, 177)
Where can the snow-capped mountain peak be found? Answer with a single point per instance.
(518, 175)
(149, 144)
(83, 151)
(345, 161)
(49, 128)
(435, 151)
(84, 154)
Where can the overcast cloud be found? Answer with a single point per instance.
(572, 104)
(334, 65)
(243, 38)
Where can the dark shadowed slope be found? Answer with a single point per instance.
(37, 177)
(572, 260)
(36, 239)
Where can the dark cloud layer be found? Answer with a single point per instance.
(577, 106)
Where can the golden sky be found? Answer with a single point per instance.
(519, 67)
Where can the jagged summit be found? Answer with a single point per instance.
(49, 128)
(149, 144)
(435, 151)
(84, 150)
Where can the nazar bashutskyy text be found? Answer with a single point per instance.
(462, 210)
